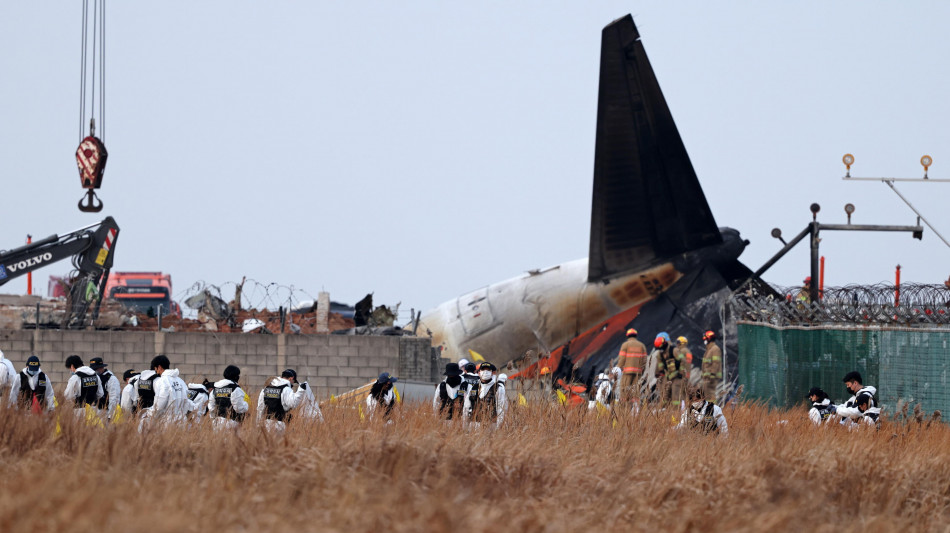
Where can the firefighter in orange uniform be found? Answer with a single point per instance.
(712, 366)
(631, 359)
(685, 359)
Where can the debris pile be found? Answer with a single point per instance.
(32, 312)
(302, 323)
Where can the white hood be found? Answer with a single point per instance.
(146, 374)
(222, 382)
(86, 370)
(170, 373)
(197, 386)
(868, 389)
(277, 382)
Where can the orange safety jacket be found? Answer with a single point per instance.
(633, 354)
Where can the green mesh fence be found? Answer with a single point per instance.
(779, 364)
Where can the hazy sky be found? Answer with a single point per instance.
(420, 150)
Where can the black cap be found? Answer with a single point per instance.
(289, 373)
(128, 374)
(33, 362)
(384, 377)
(452, 369)
(816, 391)
(96, 363)
(487, 366)
(852, 376)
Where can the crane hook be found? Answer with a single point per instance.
(90, 206)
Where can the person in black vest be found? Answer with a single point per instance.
(703, 416)
(278, 398)
(145, 392)
(821, 407)
(36, 391)
(110, 387)
(228, 402)
(602, 389)
(848, 412)
(488, 401)
(129, 401)
(381, 396)
(199, 394)
(449, 397)
(83, 387)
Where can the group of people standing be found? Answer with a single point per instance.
(664, 376)
(663, 379)
(474, 394)
(157, 395)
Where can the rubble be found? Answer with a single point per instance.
(20, 312)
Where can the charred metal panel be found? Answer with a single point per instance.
(647, 201)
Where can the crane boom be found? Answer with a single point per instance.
(91, 249)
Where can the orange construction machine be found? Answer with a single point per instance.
(143, 292)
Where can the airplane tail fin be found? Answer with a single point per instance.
(647, 203)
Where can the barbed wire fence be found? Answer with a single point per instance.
(910, 305)
(256, 295)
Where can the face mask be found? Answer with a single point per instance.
(485, 375)
(31, 371)
(697, 404)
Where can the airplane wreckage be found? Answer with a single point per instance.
(658, 261)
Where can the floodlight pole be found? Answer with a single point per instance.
(813, 230)
(890, 183)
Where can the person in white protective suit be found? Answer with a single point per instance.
(171, 397)
(228, 404)
(822, 409)
(130, 399)
(110, 388)
(35, 389)
(487, 403)
(199, 394)
(602, 390)
(861, 407)
(308, 408)
(83, 387)
(277, 399)
(9, 383)
(449, 398)
(703, 416)
(381, 397)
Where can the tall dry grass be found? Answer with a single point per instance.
(548, 469)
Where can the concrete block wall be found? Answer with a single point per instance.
(332, 363)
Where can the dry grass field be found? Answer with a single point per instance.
(549, 469)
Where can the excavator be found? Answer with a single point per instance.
(91, 249)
